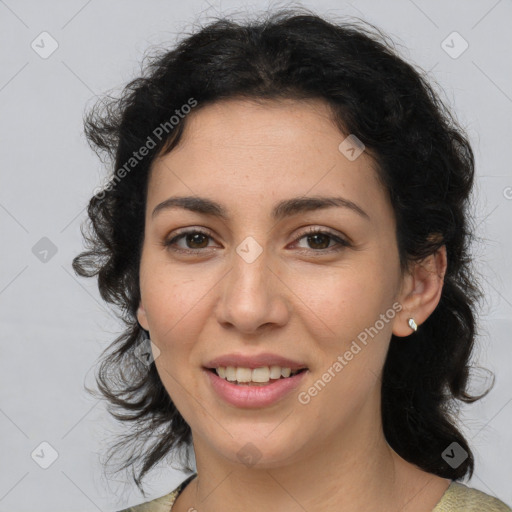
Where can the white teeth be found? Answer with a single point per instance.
(230, 373)
(243, 374)
(275, 372)
(262, 374)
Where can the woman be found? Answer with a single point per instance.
(288, 223)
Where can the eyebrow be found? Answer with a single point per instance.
(281, 210)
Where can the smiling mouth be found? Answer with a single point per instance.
(261, 376)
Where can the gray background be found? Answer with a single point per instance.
(54, 325)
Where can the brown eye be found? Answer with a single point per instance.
(319, 241)
(195, 241)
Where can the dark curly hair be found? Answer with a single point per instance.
(423, 159)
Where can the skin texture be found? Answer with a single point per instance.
(298, 299)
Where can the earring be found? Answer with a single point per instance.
(412, 324)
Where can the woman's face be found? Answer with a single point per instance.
(257, 284)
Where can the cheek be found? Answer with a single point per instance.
(173, 300)
(341, 302)
(178, 304)
(175, 308)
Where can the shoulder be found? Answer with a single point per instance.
(461, 498)
(161, 504)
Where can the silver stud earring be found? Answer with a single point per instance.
(412, 324)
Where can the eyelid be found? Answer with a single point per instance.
(342, 241)
(169, 241)
(323, 230)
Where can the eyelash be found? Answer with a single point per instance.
(310, 232)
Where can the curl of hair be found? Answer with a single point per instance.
(423, 159)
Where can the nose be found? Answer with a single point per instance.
(253, 296)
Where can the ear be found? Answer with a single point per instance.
(142, 317)
(421, 291)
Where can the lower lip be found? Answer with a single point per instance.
(245, 396)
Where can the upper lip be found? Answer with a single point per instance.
(255, 361)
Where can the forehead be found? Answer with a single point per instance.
(260, 127)
(248, 153)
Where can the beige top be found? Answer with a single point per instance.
(457, 498)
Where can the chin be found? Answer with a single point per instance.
(266, 450)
